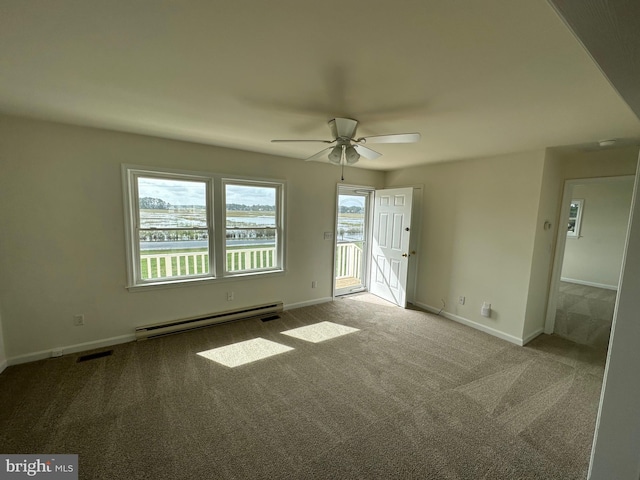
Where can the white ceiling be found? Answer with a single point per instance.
(475, 78)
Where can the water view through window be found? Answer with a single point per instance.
(173, 231)
(251, 227)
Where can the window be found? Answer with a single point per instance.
(575, 218)
(252, 226)
(172, 228)
(185, 226)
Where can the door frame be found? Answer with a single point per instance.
(561, 241)
(415, 242)
(366, 253)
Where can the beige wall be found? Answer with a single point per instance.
(561, 165)
(598, 163)
(596, 256)
(544, 246)
(483, 231)
(617, 436)
(478, 234)
(63, 242)
(3, 355)
(63, 249)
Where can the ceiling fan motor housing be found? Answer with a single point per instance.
(343, 128)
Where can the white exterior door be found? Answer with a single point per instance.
(390, 244)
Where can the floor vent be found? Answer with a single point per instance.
(93, 356)
(272, 317)
(185, 324)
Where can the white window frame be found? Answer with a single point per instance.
(216, 219)
(578, 218)
(279, 228)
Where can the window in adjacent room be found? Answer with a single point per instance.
(575, 218)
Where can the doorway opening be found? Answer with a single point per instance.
(588, 259)
(377, 232)
(352, 239)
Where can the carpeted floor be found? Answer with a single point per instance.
(584, 314)
(401, 394)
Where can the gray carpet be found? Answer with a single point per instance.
(409, 395)
(584, 314)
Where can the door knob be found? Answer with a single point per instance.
(405, 255)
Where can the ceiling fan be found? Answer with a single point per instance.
(348, 149)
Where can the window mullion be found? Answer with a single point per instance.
(217, 213)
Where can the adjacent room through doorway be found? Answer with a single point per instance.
(591, 259)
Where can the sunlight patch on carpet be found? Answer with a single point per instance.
(319, 332)
(245, 352)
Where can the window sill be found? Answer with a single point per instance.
(202, 281)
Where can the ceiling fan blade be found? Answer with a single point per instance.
(320, 154)
(393, 138)
(316, 141)
(367, 152)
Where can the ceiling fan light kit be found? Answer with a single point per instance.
(336, 155)
(351, 156)
(348, 148)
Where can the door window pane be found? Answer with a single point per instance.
(349, 259)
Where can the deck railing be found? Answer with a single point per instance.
(348, 260)
(164, 265)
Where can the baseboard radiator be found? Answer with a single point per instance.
(176, 326)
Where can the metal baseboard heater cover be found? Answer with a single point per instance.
(176, 326)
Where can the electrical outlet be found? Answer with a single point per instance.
(78, 320)
(56, 353)
(314, 284)
(461, 300)
(230, 296)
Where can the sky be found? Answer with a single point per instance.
(182, 192)
(352, 201)
(246, 195)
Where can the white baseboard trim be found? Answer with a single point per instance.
(470, 323)
(80, 347)
(308, 303)
(589, 284)
(107, 342)
(533, 335)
